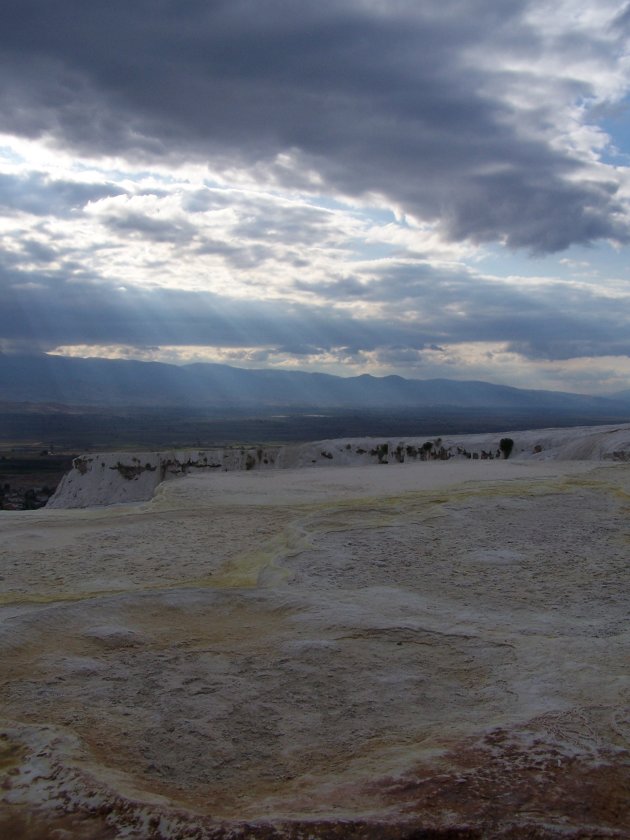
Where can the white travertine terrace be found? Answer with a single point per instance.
(114, 477)
(368, 652)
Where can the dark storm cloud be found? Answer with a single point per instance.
(283, 224)
(143, 226)
(373, 98)
(559, 322)
(342, 288)
(241, 256)
(552, 320)
(40, 195)
(563, 348)
(53, 311)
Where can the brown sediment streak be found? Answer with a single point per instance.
(509, 783)
(526, 778)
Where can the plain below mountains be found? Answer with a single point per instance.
(116, 383)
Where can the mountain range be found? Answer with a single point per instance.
(116, 383)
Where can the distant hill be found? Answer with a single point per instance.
(115, 383)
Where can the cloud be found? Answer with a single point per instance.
(317, 185)
(53, 311)
(40, 195)
(406, 313)
(147, 227)
(463, 114)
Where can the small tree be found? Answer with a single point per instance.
(506, 445)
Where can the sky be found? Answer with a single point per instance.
(429, 189)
